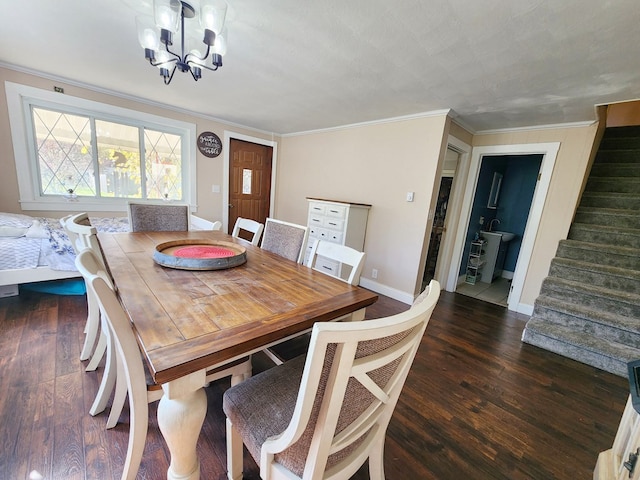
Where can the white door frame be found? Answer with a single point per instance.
(228, 136)
(445, 256)
(549, 152)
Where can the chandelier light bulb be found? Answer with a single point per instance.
(147, 33)
(212, 15)
(220, 46)
(167, 14)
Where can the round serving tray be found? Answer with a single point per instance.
(199, 254)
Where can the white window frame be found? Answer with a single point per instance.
(19, 101)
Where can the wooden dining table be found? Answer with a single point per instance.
(189, 321)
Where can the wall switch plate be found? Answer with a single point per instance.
(374, 273)
(410, 196)
(215, 188)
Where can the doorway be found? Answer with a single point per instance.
(249, 181)
(249, 178)
(438, 229)
(502, 202)
(549, 152)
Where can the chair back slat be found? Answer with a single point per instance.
(255, 228)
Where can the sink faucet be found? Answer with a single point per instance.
(491, 224)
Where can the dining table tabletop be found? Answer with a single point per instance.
(188, 321)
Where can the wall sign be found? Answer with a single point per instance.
(209, 144)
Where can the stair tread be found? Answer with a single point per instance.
(607, 228)
(578, 338)
(602, 317)
(629, 297)
(580, 265)
(611, 194)
(610, 211)
(600, 247)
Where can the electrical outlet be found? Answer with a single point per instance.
(374, 273)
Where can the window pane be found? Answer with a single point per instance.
(246, 181)
(118, 160)
(63, 149)
(163, 164)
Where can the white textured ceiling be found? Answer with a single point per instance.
(299, 65)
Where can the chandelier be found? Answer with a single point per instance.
(156, 33)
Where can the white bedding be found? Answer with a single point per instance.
(44, 242)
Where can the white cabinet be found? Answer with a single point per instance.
(338, 222)
(619, 462)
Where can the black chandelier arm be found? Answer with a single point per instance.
(177, 56)
(167, 80)
(209, 68)
(188, 56)
(153, 63)
(193, 71)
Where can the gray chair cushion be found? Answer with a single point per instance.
(262, 406)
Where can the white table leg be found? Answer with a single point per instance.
(181, 413)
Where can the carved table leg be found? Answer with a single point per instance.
(181, 413)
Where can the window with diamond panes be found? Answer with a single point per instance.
(63, 146)
(163, 164)
(69, 154)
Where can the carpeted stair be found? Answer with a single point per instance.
(589, 305)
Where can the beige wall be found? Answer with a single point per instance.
(562, 197)
(375, 164)
(209, 170)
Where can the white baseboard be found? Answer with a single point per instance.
(399, 295)
(524, 308)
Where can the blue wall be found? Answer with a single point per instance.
(520, 174)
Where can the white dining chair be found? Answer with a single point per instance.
(86, 237)
(286, 239)
(199, 223)
(250, 226)
(322, 416)
(132, 381)
(330, 259)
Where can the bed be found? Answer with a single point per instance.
(36, 249)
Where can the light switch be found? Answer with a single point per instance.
(215, 189)
(409, 196)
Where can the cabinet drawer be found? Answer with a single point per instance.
(316, 219)
(328, 266)
(314, 232)
(336, 211)
(334, 223)
(317, 208)
(333, 236)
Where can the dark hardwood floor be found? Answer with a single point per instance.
(478, 403)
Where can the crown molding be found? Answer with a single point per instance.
(434, 113)
(132, 98)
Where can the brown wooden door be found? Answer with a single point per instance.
(249, 181)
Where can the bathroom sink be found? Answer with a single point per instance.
(505, 236)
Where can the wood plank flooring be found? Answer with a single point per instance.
(478, 403)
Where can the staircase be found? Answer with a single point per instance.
(589, 305)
